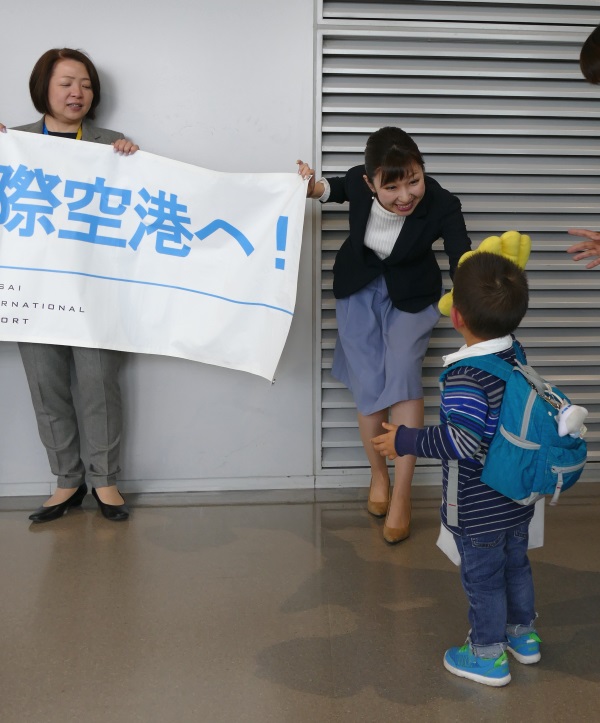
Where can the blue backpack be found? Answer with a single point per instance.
(527, 458)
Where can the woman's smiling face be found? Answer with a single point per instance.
(402, 195)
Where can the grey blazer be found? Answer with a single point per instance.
(88, 132)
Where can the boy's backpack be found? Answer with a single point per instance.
(527, 458)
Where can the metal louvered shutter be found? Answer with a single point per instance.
(493, 95)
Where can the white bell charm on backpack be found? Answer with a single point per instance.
(570, 420)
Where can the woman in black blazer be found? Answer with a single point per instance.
(387, 283)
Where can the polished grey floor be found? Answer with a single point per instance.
(275, 607)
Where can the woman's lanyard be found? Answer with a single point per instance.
(77, 137)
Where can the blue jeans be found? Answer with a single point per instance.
(496, 576)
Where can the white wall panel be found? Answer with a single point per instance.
(220, 85)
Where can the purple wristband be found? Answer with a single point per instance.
(406, 441)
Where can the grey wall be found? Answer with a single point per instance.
(227, 86)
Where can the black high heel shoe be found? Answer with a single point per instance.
(45, 514)
(114, 513)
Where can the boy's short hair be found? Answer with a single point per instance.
(491, 294)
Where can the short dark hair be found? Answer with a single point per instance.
(392, 152)
(491, 294)
(589, 58)
(42, 72)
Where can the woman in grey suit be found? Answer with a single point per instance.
(65, 88)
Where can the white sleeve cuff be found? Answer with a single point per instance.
(325, 195)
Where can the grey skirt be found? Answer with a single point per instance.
(379, 350)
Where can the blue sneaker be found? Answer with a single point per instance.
(489, 671)
(526, 647)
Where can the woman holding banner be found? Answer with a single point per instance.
(65, 88)
(387, 283)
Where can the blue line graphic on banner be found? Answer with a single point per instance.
(150, 283)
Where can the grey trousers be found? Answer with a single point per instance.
(48, 370)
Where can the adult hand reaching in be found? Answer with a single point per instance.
(588, 249)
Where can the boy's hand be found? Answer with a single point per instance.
(384, 444)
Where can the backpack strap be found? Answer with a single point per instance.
(540, 385)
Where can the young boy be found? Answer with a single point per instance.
(489, 529)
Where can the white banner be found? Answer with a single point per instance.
(146, 254)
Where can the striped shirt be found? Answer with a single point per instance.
(469, 415)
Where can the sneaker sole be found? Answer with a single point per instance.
(525, 659)
(494, 682)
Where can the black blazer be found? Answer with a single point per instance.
(411, 272)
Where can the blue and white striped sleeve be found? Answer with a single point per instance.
(464, 414)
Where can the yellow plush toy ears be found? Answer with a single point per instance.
(512, 245)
